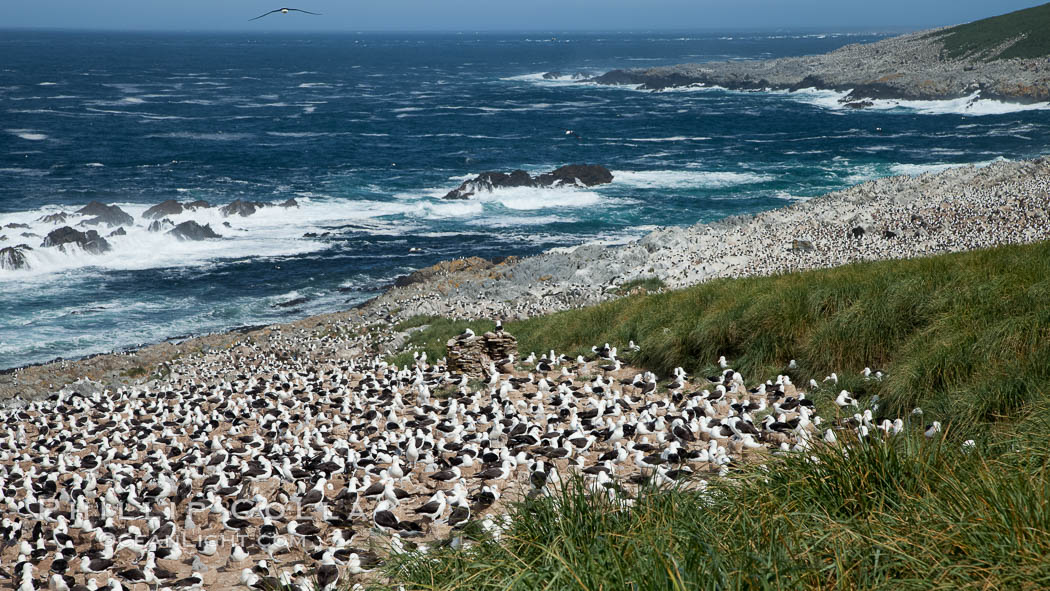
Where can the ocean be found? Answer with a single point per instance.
(368, 131)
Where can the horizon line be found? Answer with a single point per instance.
(852, 29)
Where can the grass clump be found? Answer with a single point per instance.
(902, 513)
(1020, 34)
(642, 285)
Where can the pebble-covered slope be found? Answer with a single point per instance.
(897, 217)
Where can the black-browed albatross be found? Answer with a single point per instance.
(284, 11)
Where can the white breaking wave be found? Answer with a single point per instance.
(271, 231)
(431, 205)
(529, 198)
(297, 134)
(676, 138)
(970, 105)
(917, 169)
(214, 137)
(28, 134)
(538, 78)
(686, 179)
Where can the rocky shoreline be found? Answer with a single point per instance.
(909, 67)
(958, 209)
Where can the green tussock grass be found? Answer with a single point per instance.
(965, 336)
(982, 39)
(905, 513)
(649, 284)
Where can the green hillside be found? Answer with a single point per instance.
(965, 336)
(1021, 34)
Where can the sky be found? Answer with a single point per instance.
(499, 15)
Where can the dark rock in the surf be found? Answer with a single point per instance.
(291, 303)
(30, 235)
(55, 218)
(111, 215)
(162, 225)
(488, 181)
(90, 241)
(290, 203)
(310, 235)
(195, 205)
(3, 237)
(617, 77)
(859, 105)
(14, 225)
(163, 209)
(118, 232)
(12, 258)
(227, 225)
(586, 175)
(242, 208)
(552, 75)
(191, 230)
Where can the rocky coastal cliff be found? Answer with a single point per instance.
(998, 58)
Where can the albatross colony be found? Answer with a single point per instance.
(286, 461)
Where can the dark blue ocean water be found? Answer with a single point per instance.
(367, 132)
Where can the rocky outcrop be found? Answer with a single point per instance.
(12, 258)
(163, 209)
(111, 215)
(587, 175)
(90, 241)
(191, 230)
(242, 208)
(118, 232)
(444, 268)
(17, 226)
(55, 218)
(473, 355)
(162, 225)
(290, 203)
(291, 303)
(195, 205)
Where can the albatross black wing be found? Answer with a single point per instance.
(262, 15)
(285, 10)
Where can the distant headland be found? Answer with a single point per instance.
(1001, 58)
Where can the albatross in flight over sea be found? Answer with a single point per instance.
(285, 11)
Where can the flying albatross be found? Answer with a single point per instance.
(284, 11)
